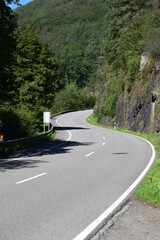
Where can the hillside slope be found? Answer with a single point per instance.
(73, 29)
(64, 22)
(130, 95)
(114, 43)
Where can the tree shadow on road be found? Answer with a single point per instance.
(70, 128)
(53, 147)
(19, 164)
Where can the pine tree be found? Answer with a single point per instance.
(35, 71)
(124, 18)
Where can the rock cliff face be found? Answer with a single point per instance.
(138, 108)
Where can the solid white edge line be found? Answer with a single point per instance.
(28, 179)
(89, 154)
(88, 230)
(70, 135)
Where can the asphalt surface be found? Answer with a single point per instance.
(56, 190)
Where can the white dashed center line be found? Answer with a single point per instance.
(28, 179)
(89, 154)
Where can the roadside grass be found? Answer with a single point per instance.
(27, 145)
(149, 188)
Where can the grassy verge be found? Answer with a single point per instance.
(149, 189)
(26, 145)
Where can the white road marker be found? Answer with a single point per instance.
(14, 159)
(89, 154)
(104, 138)
(103, 143)
(88, 230)
(70, 135)
(28, 179)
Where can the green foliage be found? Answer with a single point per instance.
(72, 98)
(63, 23)
(25, 145)
(92, 119)
(7, 45)
(30, 120)
(29, 77)
(150, 187)
(125, 35)
(73, 29)
(132, 28)
(35, 71)
(75, 65)
(112, 86)
(16, 123)
(113, 91)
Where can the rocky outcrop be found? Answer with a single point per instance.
(138, 108)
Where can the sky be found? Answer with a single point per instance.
(23, 2)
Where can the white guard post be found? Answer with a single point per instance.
(46, 119)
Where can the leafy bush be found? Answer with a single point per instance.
(113, 90)
(20, 122)
(72, 97)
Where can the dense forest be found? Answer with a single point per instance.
(132, 29)
(130, 74)
(30, 78)
(61, 54)
(73, 30)
(99, 44)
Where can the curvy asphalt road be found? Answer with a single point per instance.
(56, 190)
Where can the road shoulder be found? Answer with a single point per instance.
(140, 221)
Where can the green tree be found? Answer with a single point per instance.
(8, 25)
(127, 25)
(35, 71)
(72, 97)
(75, 65)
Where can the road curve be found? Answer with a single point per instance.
(62, 190)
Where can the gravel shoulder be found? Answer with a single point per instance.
(140, 221)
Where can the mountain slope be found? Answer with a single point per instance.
(73, 29)
(131, 75)
(64, 22)
(106, 41)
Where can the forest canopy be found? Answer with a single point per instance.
(32, 75)
(29, 76)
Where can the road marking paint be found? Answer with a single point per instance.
(64, 141)
(70, 135)
(88, 230)
(89, 154)
(103, 143)
(14, 159)
(26, 157)
(28, 179)
(104, 138)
